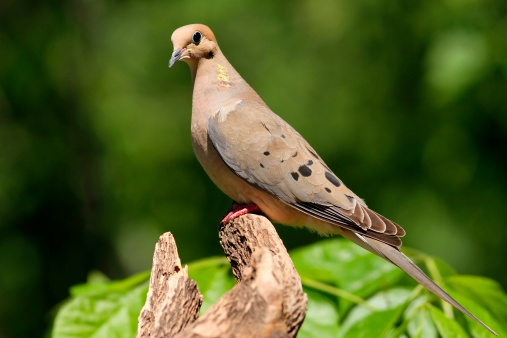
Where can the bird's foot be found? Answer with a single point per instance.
(239, 210)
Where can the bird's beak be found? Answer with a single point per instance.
(178, 54)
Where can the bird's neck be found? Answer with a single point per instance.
(215, 72)
(214, 81)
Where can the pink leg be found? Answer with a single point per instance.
(239, 210)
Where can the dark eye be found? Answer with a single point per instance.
(197, 37)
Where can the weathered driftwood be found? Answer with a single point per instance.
(173, 299)
(268, 300)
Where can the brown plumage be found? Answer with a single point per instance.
(254, 156)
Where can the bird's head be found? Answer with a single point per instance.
(193, 43)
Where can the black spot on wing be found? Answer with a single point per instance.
(295, 176)
(262, 165)
(327, 189)
(333, 179)
(305, 170)
(310, 162)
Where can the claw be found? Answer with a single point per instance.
(239, 210)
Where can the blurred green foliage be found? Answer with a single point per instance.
(404, 100)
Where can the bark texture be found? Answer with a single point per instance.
(267, 301)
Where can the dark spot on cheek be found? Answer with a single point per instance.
(210, 55)
(266, 153)
(295, 176)
(305, 170)
(328, 190)
(262, 165)
(331, 178)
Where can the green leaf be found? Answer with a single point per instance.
(347, 265)
(332, 290)
(98, 284)
(102, 312)
(480, 312)
(324, 260)
(421, 325)
(213, 279)
(486, 292)
(447, 327)
(362, 322)
(417, 320)
(322, 319)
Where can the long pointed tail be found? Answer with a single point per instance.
(403, 262)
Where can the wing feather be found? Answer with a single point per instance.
(269, 154)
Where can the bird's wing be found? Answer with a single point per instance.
(268, 153)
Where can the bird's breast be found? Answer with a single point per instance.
(214, 166)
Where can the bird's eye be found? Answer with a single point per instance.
(197, 37)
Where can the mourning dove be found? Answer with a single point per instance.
(263, 164)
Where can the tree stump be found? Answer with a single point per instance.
(267, 301)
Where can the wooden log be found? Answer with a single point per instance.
(173, 299)
(242, 237)
(268, 300)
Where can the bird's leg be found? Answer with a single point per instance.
(239, 210)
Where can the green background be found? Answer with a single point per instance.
(406, 102)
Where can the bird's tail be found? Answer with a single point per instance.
(403, 262)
